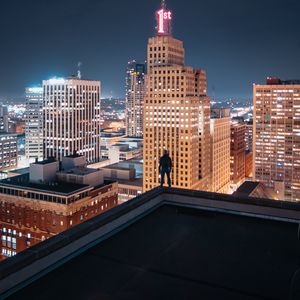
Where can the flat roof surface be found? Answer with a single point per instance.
(180, 253)
(247, 187)
(79, 171)
(22, 181)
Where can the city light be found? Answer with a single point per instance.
(56, 80)
(35, 90)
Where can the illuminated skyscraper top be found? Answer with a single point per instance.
(164, 20)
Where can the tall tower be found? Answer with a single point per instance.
(276, 137)
(34, 123)
(71, 118)
(135, 93)
(176, 111)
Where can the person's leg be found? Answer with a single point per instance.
(169, 179)
(162, 177)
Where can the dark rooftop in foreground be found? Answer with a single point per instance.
(168, 244)
(57, 187)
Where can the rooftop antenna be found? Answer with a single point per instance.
(79, 72)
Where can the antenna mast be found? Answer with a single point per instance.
(79, 72)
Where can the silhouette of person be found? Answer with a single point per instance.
(165, 167)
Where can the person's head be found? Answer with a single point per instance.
(166, 152)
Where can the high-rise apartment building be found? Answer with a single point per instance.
(34, 123)
(176, 112)
(220, 150)
(71, 118)
(276, 136)
(135, 93)
(237, 152)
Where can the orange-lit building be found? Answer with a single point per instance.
(48, 200)
(176, 112)
(276, 137)
(237, 152)
(220, 150)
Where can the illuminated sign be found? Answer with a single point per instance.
(163, 18)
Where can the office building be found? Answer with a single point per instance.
(249, 135)
(276, 136)
(34, 123)
(4, 122)
(237, 152)
(176, 112)
(72, 118)
(135, 93)
(220, 150)
(8, 151)
(49, 199)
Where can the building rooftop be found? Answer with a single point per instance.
(137, 181)
(167, 244)
(81, 171)
(278, 81)
(61, 188)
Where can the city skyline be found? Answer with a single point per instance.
(224, 49)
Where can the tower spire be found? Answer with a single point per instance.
(163, 4)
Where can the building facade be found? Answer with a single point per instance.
(8, 151)
(71, 118)
(38, 205)
(249, 135)
(135, 93)
(34, 123)
(175, 112)
(4, 123)
(237, 152)
(276, 134)
(220, 150)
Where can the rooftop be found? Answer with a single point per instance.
(278, 81)
(61, 188)
(167, 244)
(81, 171)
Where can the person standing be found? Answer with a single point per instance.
(165, 167)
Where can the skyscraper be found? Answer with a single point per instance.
(276, 136)
(220, 150)
(34, 123)
(176, 112)
(135, 93)
(72, 118)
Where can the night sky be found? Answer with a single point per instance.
(238, 42)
